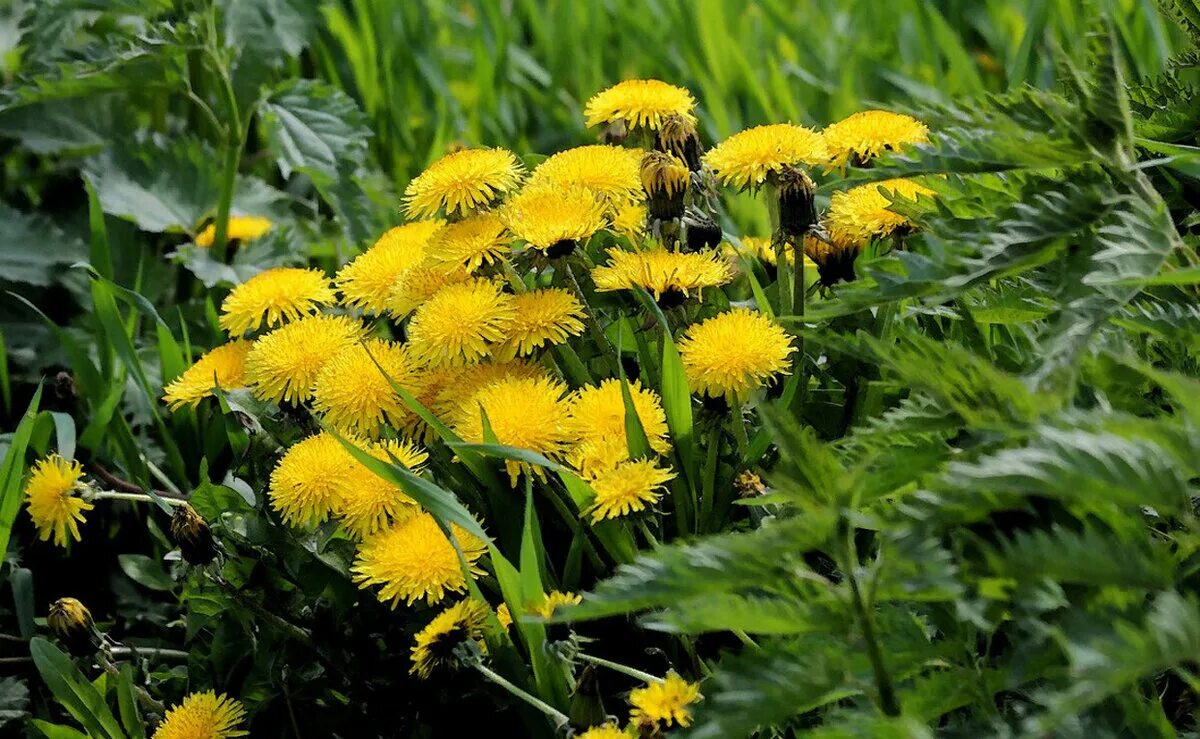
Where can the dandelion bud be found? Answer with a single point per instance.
(834, 258)
(72, 623)
(702, 231)
(797, 208)
(665, 179)
(678, 136)
(193, 536)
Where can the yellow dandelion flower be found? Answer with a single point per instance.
(206, 715)
(527, 413)
(223, 367)
(421, 283)
(863, 213)
(274, 296)
(607, 731)
(51, 495)
(596, 423)
(745, 159)
(460, 323)
(353, 393)
(553, 600)
(366, 282)
(240, 229)
(462, 181)
(670, 276)
(869, 133)
(284, 364)
(308, 483)
(629, 487)
(413, 559)
(666, 702)
(368, 502)
(763, 249)
(734, 353)
(470, 243)
(434, 645)
(629, 219)
(458, 385)
(554, 219)
(638, 103)
(613, 172)
(504, 616)
(544, 317)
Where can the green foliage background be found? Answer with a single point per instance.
(981, 510)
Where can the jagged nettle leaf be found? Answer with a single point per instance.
(1166, 109)
(1186, 14)
(912, 422)
(269, 30)
(754, 613)
(1088, 556)
(1176, 322)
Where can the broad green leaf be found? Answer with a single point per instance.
(12, 471)
(145, 571)
(81, 699)
(24, 257)
(315, 129)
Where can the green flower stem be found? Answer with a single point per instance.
(133, 497)
(738, 422)
(593, 324)
(645, 677)
(888, 701)
(560, 718)
(149, 652)
(235, 136)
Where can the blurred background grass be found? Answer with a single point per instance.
(516, 72)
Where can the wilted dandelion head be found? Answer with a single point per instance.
(862, 213)
(745, 159)
(413, 559)
(679, 136)
(667, 703)
(460, 323)
(470, 243)
(639, 103)
(612, 172)
(544, 317)
(352, 392)
(206, 715)
(68, 617)
(834, 258)
(628, 487)
(284, 364)
(223, 367)
(662, 273)
(370, 503)
(865, 135)
(549, 602)
(52, 498)
(434, 646)
(240, 229)
(527, 413)
(553, 218)
(665, 181)
(421, 283)
(366, 282)
(308, 483)
(734, 353)
(458, 385)
(274, 296)
(462, 181)
(596, 423)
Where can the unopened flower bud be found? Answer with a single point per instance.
(797, 208)
(665, 178)
(193, 536)
(71, 621)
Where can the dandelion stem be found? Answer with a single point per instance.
(618, 667)
(593, 323)
(888, 702)
(560, 718)
(133, 497)
(149, 652)
(739, 428)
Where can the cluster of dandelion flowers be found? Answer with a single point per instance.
(456, 386)
(434, 646)
(284, 364)
(463, 181)
(734, 353)
(862, 213)
(461, 322)
(470, 243)
(419, 284)
(667, 703)
(527, 413)
(240, 229)
(554, 219)
(668, 275)
(596, 422)
(867, 134)
(223, 367)
(628, 487)
(552, 601)
(544, 317)
(639, 104)
(353, 390)
(206, 715)
(366, 282)
(274, 296)
(308, 484)
(52, 497)
(612, 172)
(746, 159)
(413, 560)
(368, 503)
